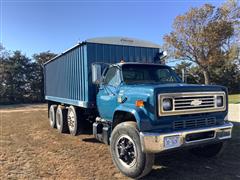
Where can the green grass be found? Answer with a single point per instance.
(234, 98)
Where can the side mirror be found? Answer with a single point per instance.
(160, 57)
(163, 55)
(96, 73)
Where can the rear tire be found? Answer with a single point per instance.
(127, 153)
(208, 151)
(61, 119)
(74, 123)
(52, 115)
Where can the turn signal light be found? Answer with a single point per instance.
(139, 103)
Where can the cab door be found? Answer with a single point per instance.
(108, 93)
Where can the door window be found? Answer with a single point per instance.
(112, 77)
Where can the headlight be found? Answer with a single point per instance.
(219, 101)
(167, 104)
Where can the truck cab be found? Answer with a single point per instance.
(145, 108)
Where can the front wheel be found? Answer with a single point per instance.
(127, 155)
(208, 151)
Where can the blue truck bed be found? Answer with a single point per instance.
(67, 77)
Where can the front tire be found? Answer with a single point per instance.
(126, 151)
(208, 151)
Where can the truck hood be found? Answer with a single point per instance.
(148, 92)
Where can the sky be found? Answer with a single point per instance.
(42, 25)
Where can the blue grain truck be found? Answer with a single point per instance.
(134, 103)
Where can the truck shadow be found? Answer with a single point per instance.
(184, 165)
(91, 140)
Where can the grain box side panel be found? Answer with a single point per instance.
(66, 78)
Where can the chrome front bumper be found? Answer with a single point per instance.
(155, 142)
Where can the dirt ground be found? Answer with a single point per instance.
(30, 149)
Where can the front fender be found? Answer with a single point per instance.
(143, 121)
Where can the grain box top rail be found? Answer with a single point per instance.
(121, 41)
(124, 41)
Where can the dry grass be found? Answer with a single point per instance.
(30, 149)
(234, 98)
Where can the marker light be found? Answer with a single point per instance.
(139, 103)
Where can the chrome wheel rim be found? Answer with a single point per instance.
(71, 120)
(126, 151)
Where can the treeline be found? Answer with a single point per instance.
(225, 74)
(21, 78)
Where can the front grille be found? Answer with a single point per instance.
(192, 102)
(194, 123)
(182, 103)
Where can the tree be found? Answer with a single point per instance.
(3, 57)
(206, 36)
(226, 74)
(16, 74)
(43, 57)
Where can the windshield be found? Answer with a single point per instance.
(140, 73)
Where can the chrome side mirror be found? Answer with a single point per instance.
(96, 73)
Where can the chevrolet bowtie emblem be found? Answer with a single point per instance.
(196, 102)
